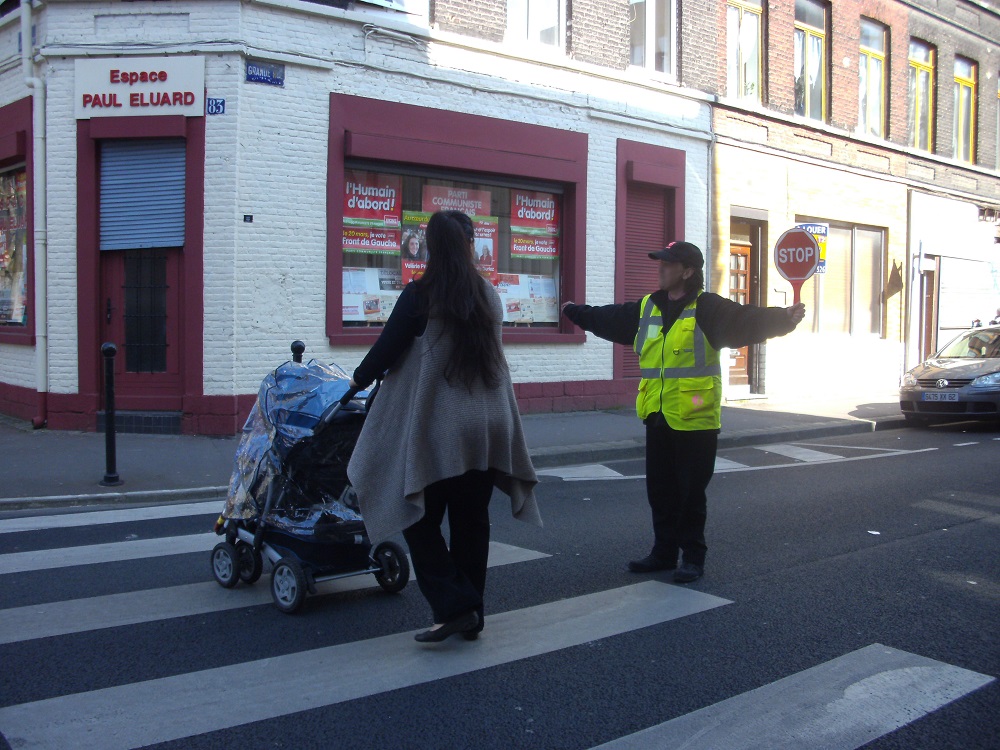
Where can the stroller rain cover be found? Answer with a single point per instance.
(283, 437)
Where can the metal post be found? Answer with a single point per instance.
(297, 349)
(111, 478)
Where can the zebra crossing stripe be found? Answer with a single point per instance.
(115, 610)
(91, 554)
(583, 472)
(839, 705)
(724, 464)
(171, 708)
(97, 517)
(799, 453)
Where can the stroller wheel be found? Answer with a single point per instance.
(251, 563)
(395, 568)
(288, 585)
(225, 565)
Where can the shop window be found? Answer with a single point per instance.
(391, 165)
(810, 59)
(385, 212)
(921, 95)
(651, 34)
(964, 131)
(14, 248)
(845, 295)
(743, 45)
(536, 21)
(872, 79)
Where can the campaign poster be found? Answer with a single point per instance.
(528, 298)
(487, 232)
(13, 248)
(413, 248)
(820, 232)
(472, 202)
(534, 224)
(370, 294)
(373, 212)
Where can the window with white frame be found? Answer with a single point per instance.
(872, 79)
(743, 45)
(810, 59)
(921, 95)
(964, 132)
(651, 34)
(537, 21)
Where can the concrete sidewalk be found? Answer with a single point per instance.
(48, 468)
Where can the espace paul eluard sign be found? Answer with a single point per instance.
(140, 86)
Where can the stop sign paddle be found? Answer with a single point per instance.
(796, 255)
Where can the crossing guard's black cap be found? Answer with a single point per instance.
(685, 253)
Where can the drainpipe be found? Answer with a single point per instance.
(39, 170)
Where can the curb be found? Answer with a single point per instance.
(124, 498)
(542, 458)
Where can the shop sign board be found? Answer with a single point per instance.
(796, 256)
(139, 86)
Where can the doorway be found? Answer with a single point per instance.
(140, 311)
(739, 292)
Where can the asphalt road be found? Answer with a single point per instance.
(850, 600)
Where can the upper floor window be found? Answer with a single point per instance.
(964, 134)
(871, 79)
(651, 34)
(536, 21)
(809, 63)
(743, 44)
(921, 95)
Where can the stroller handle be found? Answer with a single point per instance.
(333, 409)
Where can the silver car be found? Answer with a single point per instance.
(960, 382)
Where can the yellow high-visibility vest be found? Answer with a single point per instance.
(681, 374)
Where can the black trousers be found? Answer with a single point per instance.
(679, 466)
(453, 580)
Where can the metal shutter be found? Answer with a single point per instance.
(645, 232)
(142, 194)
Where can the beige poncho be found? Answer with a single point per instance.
(421, 430)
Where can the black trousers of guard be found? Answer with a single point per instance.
(453, 579)
(679, 466)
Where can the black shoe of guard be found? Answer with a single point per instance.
(688, 572)
(650, 564)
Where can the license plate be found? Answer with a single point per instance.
(940, 397)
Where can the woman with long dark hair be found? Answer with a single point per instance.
(444, 429)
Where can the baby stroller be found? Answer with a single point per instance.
(289, 497)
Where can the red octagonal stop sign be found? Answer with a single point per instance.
(796, 256)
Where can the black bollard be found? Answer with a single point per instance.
(111, 478)
(297, 349)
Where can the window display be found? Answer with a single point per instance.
(517, 243)
(13, 248)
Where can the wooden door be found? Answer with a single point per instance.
(140, 314)
(739, 291)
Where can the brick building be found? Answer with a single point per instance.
(203, 182)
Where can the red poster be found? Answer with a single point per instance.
(472, 202)
(534, 213)
(372, 199)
